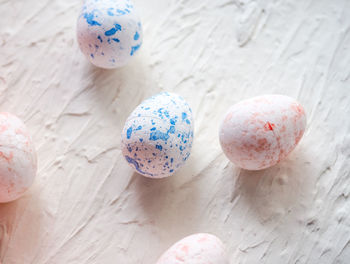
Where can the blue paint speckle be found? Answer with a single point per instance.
(171, 130)
(158, 135)
(134, 49)
(159, 147)
(99, 38)
(118, 27)
(90, 19)
(129, 132)
(110, 32)
(136, 36)
(114, 30)
(120, 12)
(137, 166)
(116, 40)
(110, 11)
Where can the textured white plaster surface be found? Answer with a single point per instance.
(87, 205)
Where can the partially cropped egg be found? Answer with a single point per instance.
(17, 158)
(196, 249)
(109, 32)
(157, 136)
(260, 132)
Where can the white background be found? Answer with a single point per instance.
(87, 205)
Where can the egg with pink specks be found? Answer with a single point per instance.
(196, 249)
(260, 132)
(18, 163)
(109, 32)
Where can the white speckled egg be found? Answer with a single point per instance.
(196, 249)
(17, 158)
(260, 132)
(157, 136)
(109, 32)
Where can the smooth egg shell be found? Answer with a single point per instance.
(157, 136)
(196, 249)
(109, 32)
(17, 158)
(260, 132)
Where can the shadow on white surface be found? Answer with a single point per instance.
(168, 203)
(19, 240)
(273, 193)
(121, 90)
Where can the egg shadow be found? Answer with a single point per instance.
(20, 231)
(273, 193)
(168, 203)
(118, 91)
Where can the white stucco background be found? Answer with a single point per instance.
(87, 205)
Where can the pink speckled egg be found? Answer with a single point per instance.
(196, 249)
(260, 132)
(17, 158)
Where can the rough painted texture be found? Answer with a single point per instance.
(87, 206)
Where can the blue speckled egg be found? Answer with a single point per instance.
(157, 136)
(109, 32)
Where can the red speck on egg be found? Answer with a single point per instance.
(202, 239)
(185, 249)
(269, 126)
(8, 159)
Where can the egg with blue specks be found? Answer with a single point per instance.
(157, 136)
(109, 32)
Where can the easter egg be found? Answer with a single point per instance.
(17, 158)
(260, 132)
(196, 249)
(109, 32)
(158, 134)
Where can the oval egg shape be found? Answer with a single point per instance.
(196, 249)
(109, 32)
(18, 161)
(157, 136)
(260, 132)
